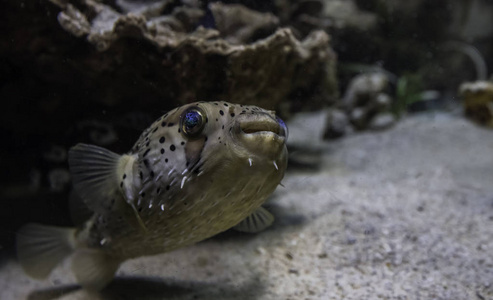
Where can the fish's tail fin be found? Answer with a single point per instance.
(94, 269)
(41, 248)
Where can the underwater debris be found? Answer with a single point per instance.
(337, 124)
(366, 99)
(478, 101)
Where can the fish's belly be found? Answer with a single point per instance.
(181, 224)
(206, 206)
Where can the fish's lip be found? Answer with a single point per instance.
(261, 125)
(266, 135)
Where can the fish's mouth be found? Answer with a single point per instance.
(261, 133)
(264, 125)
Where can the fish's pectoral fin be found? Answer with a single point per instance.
(40, 248)
(95, 174)
(257, 221)
(94, 269)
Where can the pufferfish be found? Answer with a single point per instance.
(198, 170)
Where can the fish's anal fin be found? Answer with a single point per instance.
(257, 221)
(94, 269)
(40, 248)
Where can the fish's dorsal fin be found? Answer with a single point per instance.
(257, 221)
(95, 175)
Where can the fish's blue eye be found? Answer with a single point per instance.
(284, 129)
(192, 121)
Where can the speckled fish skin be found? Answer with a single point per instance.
(200, 169)
(188, 189)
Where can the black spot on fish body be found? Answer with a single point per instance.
(232, 114)
(172, 147)
(225, 104)
(163, 124)
(151, 174)
(146, 152)
(171, 124)
(182, 143)
(166, 160)
(121, 184)
(162, 151)
(221, 112)
(162, 139)
(124, 176)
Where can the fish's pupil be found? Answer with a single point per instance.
(192, 122)
(192, 119)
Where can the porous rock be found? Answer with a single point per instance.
(206, 63)
(239, 24)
